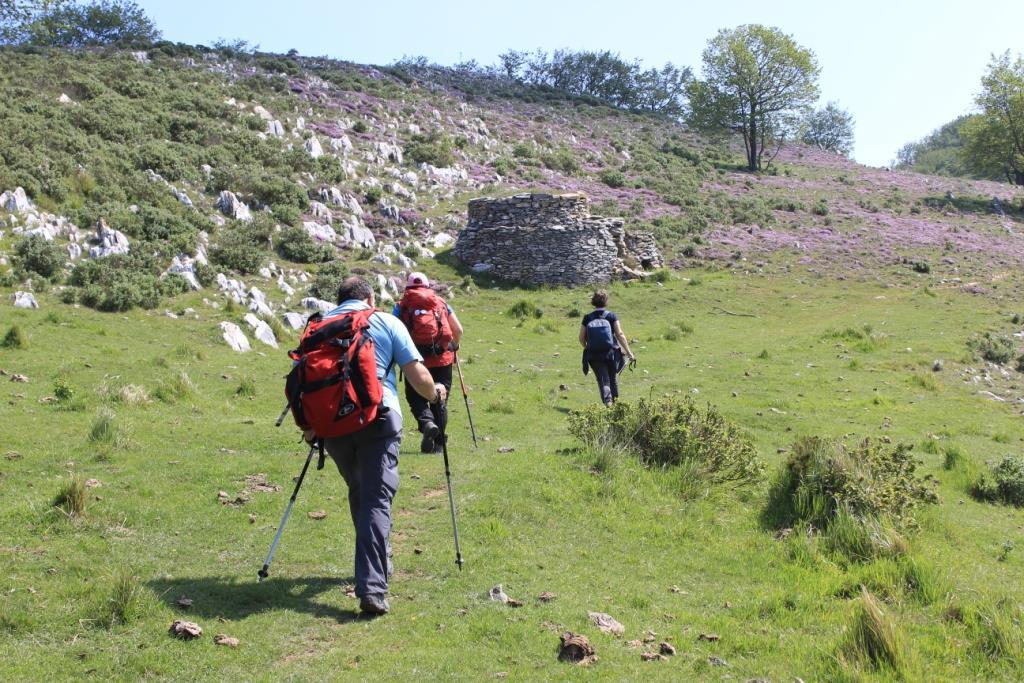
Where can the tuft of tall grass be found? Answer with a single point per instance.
(246, 387)
(125, 602)
(177, 387)
(104, 427)
(15, 338)
(874, 640)
(71, 497)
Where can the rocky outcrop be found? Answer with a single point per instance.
(234, 337)
(108, 241)
(551, 239)
(15, 202)
(232, 207)
(24, 300)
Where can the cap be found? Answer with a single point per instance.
(417, 279)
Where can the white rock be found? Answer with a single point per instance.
(231, 206)
(294, 320)
(183, 198)
(262, 113)
(332, 196)
(265, 273)
(170, 314)
(284, 286)
(15, 202)
(261, 330)
(108, 241)
(353, 205)
(311, 303)
(482, 267)
(314, 148)
(382, 258)
(258, 303)
(74, 250)
(405, 262)
(358, 235)
(141, 57)
(342, 144)
(207, 170)
(184, 266)
(234, 336)
(275, 129)
(64, 99)
(450, 175)
(321, 211)
(440, 240)
(24, 300)
(320, 231)
(388, 151)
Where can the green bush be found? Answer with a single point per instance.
(995, 348)
(870, 485)
(36, 255)
(524, 309)
(612, 177)
(15, 338)
(563, 160)
(295, 244)
(360, 127)
(373, 194)
(434, 148)
(673, 433)
(750, 211)
(1004, 482)
(241, 249)
(123, 281)
(328, 279)
(820, 208)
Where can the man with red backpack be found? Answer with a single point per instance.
(436, 331)
(342, 390)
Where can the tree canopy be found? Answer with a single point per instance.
(994, 139)
(829, 128)
(757, 82)
(63, 23)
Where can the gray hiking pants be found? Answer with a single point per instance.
(368, 461)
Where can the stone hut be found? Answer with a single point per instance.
(552, 239)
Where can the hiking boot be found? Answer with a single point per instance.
(430, 433)
(439, 443)
(374, 603)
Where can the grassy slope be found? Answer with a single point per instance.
(536, 519)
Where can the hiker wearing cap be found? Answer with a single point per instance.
(603, 347)
(436, 331)
(368, 458)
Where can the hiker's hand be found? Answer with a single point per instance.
(440, 394)
(309, 436)
(453, 345)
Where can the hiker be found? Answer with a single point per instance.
(368, 458)
(436, 331)
(603, 347)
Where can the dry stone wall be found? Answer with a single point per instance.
(551, 239)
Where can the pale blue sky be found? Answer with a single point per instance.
(901, 68)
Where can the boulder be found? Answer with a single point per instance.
(234, 336)
(358, 234)
(15, 202)
(321, 211)
(284, 286)
(353, 205)
(390, 210)
(258, 303)
(388, 151)
(451, 175)
(108, 241)
(320, 231)
(183, 198)
(406, 262)
(311, 303)
(332, 196)
(262, 113)
(342, 144)
(294, 320)
(184, 266)
(232, 207)
(275, 129)
(440, 240)
(261, 330)
(24, 300)
(64, 99)
(74, 250)
(314, 148)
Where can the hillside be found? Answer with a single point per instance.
(820, 299)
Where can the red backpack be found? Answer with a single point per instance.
(333, 387)
(425, 315)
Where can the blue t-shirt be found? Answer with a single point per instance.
(392, 345)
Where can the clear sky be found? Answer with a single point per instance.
(902, 68)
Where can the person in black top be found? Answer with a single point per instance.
(603, 346)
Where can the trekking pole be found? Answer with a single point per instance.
(451, 495)
(263, 573)
(465, 397)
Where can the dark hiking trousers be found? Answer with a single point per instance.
(607, 380)
(423, 410)
(368, 461)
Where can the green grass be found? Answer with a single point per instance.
(592, 526)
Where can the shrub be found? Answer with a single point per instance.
(373, 194)
(524, 309)
(124, 281)
(863, 490)
(434, 149)
(71, 497)
(360, 127)
(750, 211)
(995, 348)
(1003, 482)
(820, 208)
(62, 390)
(295, 244)
(36, 255)
(242, 249)
(661, 275)
(15, 338)
(673, 433)
(328, 280)
(612, 177)
(563, 160)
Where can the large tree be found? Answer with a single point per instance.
(757, 82)
(829, 128)
(994, 139)
(66, 23)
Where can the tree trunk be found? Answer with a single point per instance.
(1018, 177)
(752, 153)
